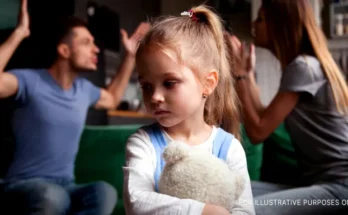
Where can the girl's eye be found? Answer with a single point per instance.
(146, 87)
(169, 84)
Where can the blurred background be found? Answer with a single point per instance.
(106, 17)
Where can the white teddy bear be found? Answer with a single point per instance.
(199, 175)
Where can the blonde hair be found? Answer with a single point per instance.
(293, 30)
(338, 84)
(199, 44)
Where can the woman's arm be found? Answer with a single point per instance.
(258, 124)
(254, 89)
(254, 93)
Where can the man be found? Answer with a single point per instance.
(51, 110)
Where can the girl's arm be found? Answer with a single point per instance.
(236, 161)
(139, 194)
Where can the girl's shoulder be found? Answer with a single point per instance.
(236, 154)
(143, 137)
(139, 137)
(234, 144)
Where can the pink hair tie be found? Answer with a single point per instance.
(190, 14)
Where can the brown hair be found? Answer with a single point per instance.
(199, 44)
(292, 28)
(61, 32)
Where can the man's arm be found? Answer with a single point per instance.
(112, 95)
(8, 82)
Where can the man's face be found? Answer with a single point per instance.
(83, 50)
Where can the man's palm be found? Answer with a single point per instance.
(131, 43)
(23, 24)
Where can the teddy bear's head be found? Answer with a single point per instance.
(196, 174)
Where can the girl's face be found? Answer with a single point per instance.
(260, 30)
(171, 92)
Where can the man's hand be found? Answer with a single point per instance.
(23, 21)
(131, 43)
(111, 97)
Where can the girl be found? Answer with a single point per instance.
(312, 100)
(184, 73)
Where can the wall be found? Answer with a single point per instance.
(316, 4)
(170, 7)
(8, 13)
(130, 13)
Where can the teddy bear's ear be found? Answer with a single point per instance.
(240, 184)
(175, 152)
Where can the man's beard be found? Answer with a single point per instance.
(79, 69)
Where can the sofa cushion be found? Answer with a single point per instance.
(102, 155)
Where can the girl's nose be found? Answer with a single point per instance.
(157, 97)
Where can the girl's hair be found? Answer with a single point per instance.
(198, 42)
(292, 30)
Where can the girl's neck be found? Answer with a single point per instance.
(190, 131)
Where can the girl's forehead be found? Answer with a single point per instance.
(160, 57)
(160, 51)
(157, 64)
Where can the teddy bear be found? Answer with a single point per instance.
(199, 175)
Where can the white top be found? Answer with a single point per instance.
(140, 196)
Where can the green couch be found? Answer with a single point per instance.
(102, 155)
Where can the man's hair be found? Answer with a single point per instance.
(62, 32)
(65, 26)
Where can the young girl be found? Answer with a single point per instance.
(184, 73)
(312, 100)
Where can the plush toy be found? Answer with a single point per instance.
(199, 175)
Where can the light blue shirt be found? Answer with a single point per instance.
(47, 125)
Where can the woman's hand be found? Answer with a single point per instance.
(210, 209)
(131, 43)
(244, 57)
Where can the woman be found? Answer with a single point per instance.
(313, 102)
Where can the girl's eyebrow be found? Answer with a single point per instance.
(140, 78)
(170, 74)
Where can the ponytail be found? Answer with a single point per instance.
(221, 107)
(197, 40)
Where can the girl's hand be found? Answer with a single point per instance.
(210, 209)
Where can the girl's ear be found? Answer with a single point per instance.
(63, 50)
(210, 81)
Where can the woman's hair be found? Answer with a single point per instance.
(198, 42)
(292, 30)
